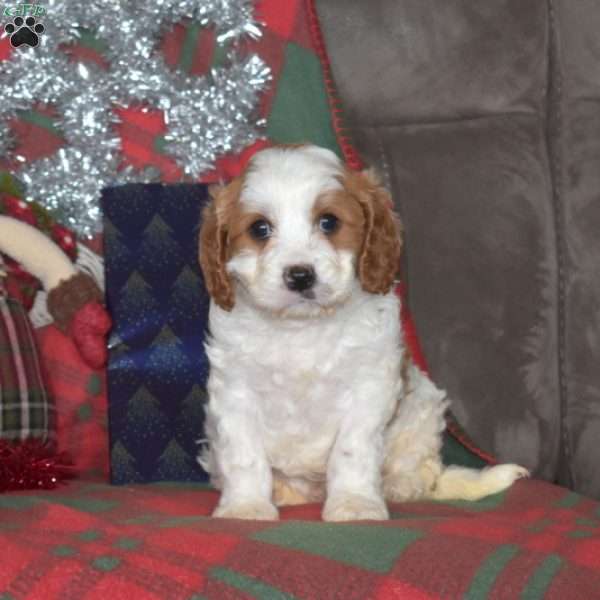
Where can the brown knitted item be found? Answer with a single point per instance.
(69, 296)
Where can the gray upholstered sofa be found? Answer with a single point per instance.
(484, 118)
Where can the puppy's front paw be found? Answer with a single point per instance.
(257, 510)
(354, 507)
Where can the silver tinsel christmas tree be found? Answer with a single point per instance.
(206, 116)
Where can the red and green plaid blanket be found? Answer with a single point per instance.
(93, 541)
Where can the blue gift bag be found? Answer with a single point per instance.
(157, 368)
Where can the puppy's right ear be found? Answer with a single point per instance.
(214, 242)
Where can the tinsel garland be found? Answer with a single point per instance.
(205, 116)
(32, 465)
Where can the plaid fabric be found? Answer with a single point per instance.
(92, 541)
(26, 411)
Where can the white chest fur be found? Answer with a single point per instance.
(292, 382)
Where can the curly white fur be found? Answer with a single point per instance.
(307, 401)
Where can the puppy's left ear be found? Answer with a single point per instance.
(379, 260)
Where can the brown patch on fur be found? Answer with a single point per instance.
(287, 492)
(369, 226)
(286, 495)
(239, 234)
(350, 233)
(224, 233)
(291, 145)
(214, 241)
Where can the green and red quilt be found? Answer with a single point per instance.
(94, 541)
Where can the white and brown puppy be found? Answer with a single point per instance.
(311, 392)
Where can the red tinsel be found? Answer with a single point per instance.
(32, 465)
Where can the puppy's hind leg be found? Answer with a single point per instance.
(413, 468)
(413, 440)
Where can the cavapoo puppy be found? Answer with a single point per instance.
(312, 393)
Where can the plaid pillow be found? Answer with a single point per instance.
(26, 411)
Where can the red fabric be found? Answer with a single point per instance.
(5, 48)
(89, 329)
(80, 396)
(155, 541)
(279, 17)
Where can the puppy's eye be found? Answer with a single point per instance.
(261, 229)
(328, 223)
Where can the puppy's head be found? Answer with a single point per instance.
(297, 233)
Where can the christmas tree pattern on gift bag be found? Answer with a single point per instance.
(158, 368)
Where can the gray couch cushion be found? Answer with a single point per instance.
(482, 278)
(422, 60)
(577, 157)
(449, 100)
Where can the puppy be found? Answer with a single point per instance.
(312, 394)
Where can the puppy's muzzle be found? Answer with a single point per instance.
(299, 278)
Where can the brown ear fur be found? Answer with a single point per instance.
(214, 241)
(379, 258)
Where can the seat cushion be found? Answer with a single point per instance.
(157, 541)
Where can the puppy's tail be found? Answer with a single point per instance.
(462, 483)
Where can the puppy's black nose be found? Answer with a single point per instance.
(299, 278)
